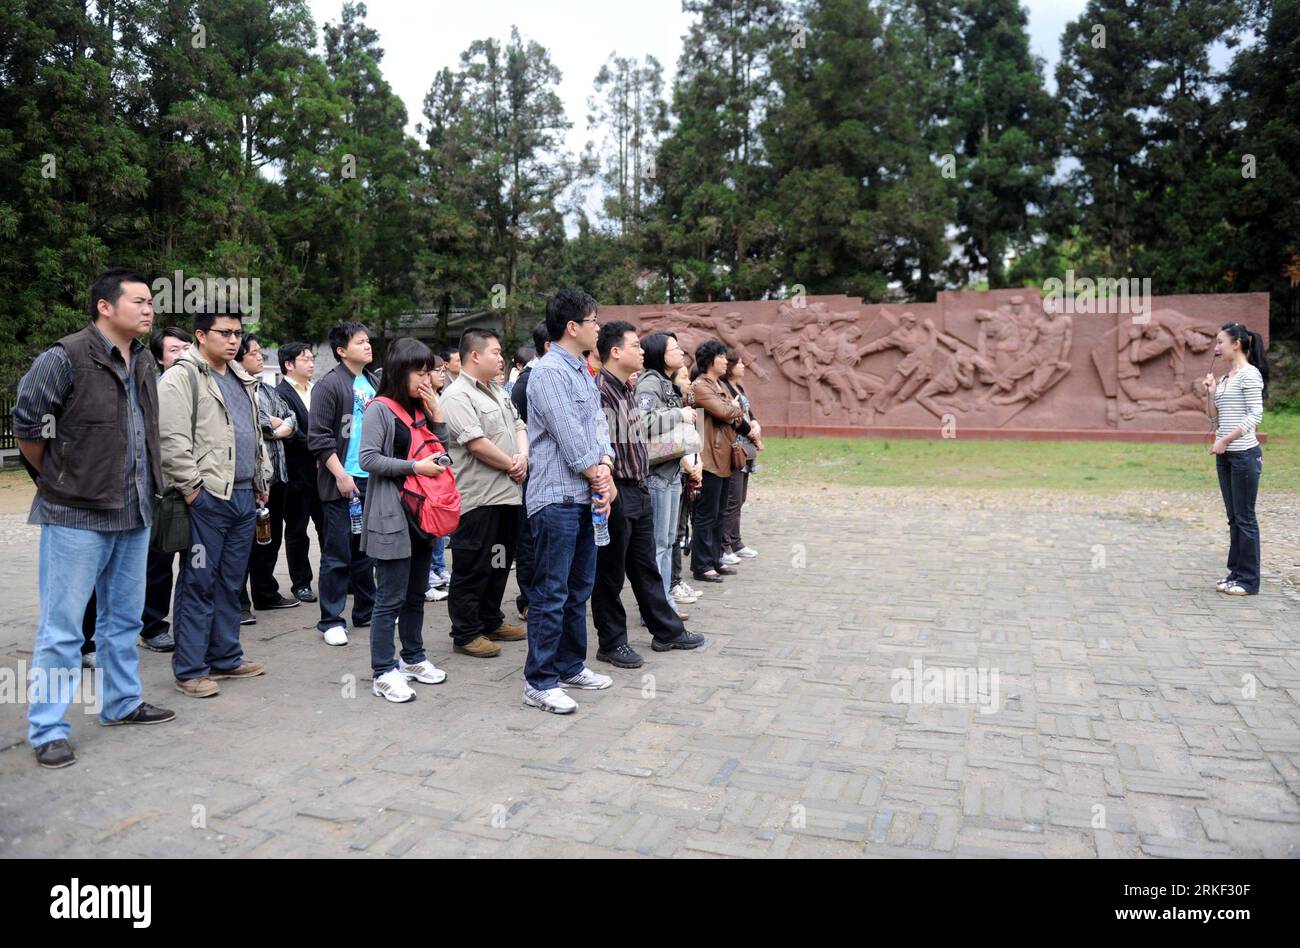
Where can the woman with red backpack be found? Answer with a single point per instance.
(411, 500)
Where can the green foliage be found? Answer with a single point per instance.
(885, 149)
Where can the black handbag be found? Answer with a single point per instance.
(170, 532)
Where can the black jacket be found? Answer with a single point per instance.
(328, 432)
(519, 394)
(297, 456)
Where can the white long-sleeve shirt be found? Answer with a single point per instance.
(1239, 402)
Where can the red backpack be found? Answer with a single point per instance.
(432, 503)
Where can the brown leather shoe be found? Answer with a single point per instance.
(246, 670)
(198, 687)
(479, 648)
(508, 633)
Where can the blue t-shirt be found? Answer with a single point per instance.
(362, 393)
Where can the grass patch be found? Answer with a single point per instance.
(1097, 466)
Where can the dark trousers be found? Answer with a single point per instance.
(484, 550)
(524, 562)
(262, 559)
(736, 494)
(88, 626)
(565, 549)
(682, 544)
(157, 593)
(205, 614)
(157, 602)
(706, 547)
(630, 553)
(344, 567)
(301, 503)
(399, 592)
(1239, 473)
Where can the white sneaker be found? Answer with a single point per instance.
(552, 699)
(425, 672)
(444, 577)
(588, 680)
(336, 635)
(730, 559)
(692, 591)
(747, 552)
(680, 594)
(436, 594)
(393, 687)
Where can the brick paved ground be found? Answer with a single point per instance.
(1127, 723)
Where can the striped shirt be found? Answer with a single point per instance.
(623, 418)
(43, 392)
(1239, 403)
(567, 431)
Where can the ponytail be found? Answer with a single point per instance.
(1258, 358)
(1252, 346)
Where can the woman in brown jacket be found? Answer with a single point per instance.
(722, 418)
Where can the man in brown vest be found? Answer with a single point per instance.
(86, 421)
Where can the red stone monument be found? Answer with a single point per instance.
(994, 364)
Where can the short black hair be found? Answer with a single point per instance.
(290, 351)
(524, 355)
(475, 339)
(541, 337)
(611, 335)
(204, 318)
(342, 334)
(564, 307)
(171, 332)
(243, 345)
(108, 286)
(404, 356)
(707, 351)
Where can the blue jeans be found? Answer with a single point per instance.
(439, 561)
(665, 506)
(1239, 473)
(399, 592)
(205, 614)
(73, 564)
(564, 548)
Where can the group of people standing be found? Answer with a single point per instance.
(386, 465)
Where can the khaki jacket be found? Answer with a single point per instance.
(209, 458)
(720, 420)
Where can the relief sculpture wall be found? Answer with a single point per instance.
(996, 364)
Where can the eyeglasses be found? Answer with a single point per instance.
(227, 333)
(589, 319)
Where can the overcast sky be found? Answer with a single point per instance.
(419, 37)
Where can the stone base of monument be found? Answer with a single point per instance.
(961, 432)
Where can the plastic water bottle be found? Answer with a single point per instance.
(354, 511)
(599, 521)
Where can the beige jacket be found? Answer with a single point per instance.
(209, 457)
